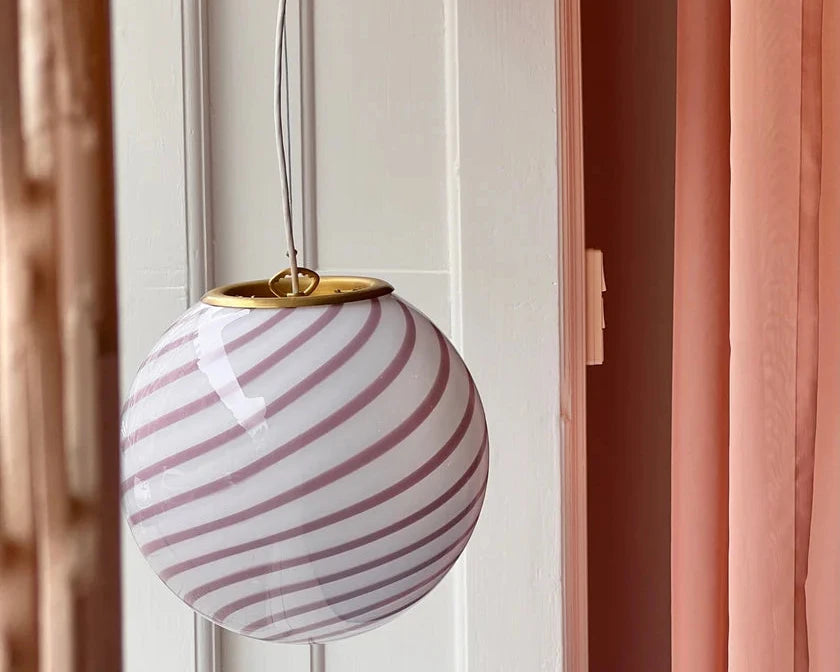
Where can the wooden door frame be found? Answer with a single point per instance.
(573, 383)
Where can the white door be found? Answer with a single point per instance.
(428, 133)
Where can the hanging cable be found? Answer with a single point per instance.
(287, 107)
(285, 193)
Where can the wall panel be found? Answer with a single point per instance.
(153, 285)
(380, 134)
(511, 327)
(433, 164)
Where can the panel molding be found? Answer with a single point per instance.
(199, 232)
(502, 196)
(210, 639)
(305, 90)
(452, 98)
(153, 286)
(511, 302)
(197, 177)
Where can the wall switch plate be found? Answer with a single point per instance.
(596, 285)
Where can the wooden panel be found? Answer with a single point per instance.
(245, 184)
(511, 336)
(435, 166)
(247, 216)
(426, 291)
(157, 628)
(380, 180)
(380, 134)
(242, 653)
(381, 143)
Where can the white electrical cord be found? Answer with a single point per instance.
(317, 659)
(285, 196)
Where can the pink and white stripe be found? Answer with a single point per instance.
(303, 474)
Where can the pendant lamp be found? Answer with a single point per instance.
(305, 457)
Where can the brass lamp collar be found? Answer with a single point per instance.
(277, 291)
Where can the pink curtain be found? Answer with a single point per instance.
(756, 387)
(822, 585)
(700, 408)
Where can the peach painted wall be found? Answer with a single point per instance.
(629, 61)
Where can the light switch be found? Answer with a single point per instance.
(596, 285)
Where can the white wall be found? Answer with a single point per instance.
(434, 128)
(152, 248)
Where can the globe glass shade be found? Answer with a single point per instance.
(303, 474)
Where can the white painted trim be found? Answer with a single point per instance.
(306, 123)
(197, 183)
(453, 167)
(304, 170)
(148, 59)
(510, 263)
(197, 147)
(300, 139)
(505, 198)
(451, 74)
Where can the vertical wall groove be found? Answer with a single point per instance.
(453, 214)
(194, 55)
(307, 133)
(196, 148)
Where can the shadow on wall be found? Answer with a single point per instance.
(629, 70)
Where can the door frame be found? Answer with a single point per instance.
(573, 383)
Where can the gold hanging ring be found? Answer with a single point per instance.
(281, 284)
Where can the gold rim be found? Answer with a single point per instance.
(330, 290)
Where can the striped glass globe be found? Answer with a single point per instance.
(303, 474)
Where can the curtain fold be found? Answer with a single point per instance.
(768, 240)
(700, 413)
(754, 521)
(823, 581)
